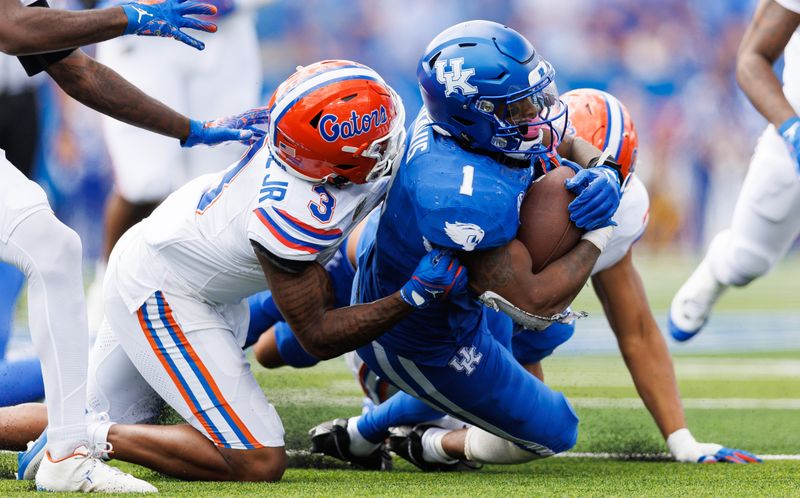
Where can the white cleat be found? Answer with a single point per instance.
(693, 303)
(83, 471)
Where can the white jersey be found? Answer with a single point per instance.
(197, 243)
(791, 69)
(631, 219)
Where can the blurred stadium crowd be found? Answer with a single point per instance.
(671, 62)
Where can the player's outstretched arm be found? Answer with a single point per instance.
(507, 271)
(643, 348)
(761, 46)
(99, 87)
(305, 299)
(37, 30)
(624, 300)
(30, 30)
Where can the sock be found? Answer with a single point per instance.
(98, 426)
(63, 441)
(400, 409)
(432, 450)
(359, 445)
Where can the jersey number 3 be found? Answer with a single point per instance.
(322, 210)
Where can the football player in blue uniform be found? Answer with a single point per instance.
(491, 112)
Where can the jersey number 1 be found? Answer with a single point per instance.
(466, 183)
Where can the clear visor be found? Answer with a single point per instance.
(527, 117)
(528, 111)
(386, 149)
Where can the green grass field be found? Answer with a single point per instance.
(612, 421)
(747, 400)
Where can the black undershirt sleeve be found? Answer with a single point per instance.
(287, 265)
(35, 64)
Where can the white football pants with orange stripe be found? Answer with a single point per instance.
(145, 357)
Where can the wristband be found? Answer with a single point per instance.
(603, 160)
(599, 237)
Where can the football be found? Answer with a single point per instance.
(545, 227)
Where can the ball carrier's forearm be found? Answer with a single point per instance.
(105, 91)
(32, 31)
(305, 301)
(643, 348)
(762, 44)
(507, 271)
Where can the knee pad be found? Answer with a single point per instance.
(483, 447)
(737, 261)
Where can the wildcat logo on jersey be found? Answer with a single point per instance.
(332, 130)
(457, 79)
(467, 235)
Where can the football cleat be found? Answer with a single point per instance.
(406, 442)
(331, 438)
(693, 302)
(28, 461)
(83, 471)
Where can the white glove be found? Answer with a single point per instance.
(684, 448)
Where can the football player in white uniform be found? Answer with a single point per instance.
(221, 80)
(49, 253)
(766, 220)
(176, 286)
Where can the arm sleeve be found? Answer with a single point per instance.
(287, 265)
(793, 5)
(35, 64)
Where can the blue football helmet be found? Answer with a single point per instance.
(486, 85)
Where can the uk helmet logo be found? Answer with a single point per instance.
(455, 79)
(331, 129)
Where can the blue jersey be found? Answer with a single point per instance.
(442, 196)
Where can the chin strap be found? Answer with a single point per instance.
(528, 320)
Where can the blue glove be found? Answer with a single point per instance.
(438, 275)
(211, 133)
(730, 455)
(245, 121)
(167, 17)
(790, 131)
(598, 191)
(224, 7)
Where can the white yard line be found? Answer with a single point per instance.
(650, 456)
(695, 403)
(659, 457)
